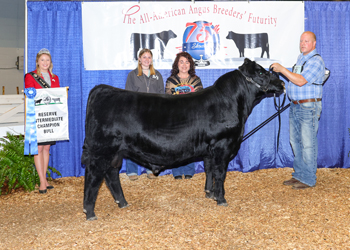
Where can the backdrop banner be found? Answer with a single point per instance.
(217, 35)
(51, 113)
(328, 20)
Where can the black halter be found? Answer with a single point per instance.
(249, 79)
(279, 108)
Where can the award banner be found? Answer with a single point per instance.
(51, 114)
(216, 34)
(30, 139)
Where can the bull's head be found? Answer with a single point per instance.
(261, 78)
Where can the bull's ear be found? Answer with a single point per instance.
(246, 61)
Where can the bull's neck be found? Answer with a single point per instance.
(238, 90)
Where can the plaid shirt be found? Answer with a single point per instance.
(313, 72)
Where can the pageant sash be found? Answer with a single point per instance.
(39, 80)
(30, 139)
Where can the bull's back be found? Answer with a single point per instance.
(116, 112)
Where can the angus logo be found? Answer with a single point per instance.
(201, 40)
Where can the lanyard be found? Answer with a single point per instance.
(147, 83)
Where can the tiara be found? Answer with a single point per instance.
(44, 51)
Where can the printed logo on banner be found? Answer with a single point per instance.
(157, 41)
(201, 40)
(250, 41)
(47, 100)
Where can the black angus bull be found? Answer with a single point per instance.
(157, 130)
(151, 41)
(250, 41)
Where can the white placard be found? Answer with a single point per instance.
(51, 113)
(114, 32)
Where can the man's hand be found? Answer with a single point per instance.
(276, 67)
(293, 77)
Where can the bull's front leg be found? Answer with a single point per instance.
(209, 188)
(219, 164)
(219, 174)
(93, 180)
(113, 183)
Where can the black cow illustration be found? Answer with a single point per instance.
(149, 129)
(38, 101)
(151, 41)
(250, 41)
(56, 99)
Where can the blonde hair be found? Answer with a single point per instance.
(37, 65)
(151, 68)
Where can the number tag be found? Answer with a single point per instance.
(297, 69)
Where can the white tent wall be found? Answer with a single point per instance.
(12, 29)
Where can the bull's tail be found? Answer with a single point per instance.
(85, 155)
(117, 160)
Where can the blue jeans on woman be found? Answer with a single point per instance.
(188, 169)
(303, 125)
(132, 168)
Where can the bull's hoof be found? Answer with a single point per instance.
(123, 206)
(91, 218)
(223, 204)
(209, 195)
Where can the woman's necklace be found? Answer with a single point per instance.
(146, 72)
(147, 79)
(182, 76)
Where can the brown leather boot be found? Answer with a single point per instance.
(291, 182)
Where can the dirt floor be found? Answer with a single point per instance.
(174, 214)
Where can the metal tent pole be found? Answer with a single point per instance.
(26, 38)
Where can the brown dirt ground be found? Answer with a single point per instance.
(174, 214)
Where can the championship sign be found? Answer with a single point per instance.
(51, 114)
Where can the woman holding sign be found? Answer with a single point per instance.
(42, 77)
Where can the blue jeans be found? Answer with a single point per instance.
(184, 170)
(303, 125)
(131, 168)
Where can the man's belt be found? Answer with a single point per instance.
(307, 100)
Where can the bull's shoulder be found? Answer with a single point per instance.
(228, 80)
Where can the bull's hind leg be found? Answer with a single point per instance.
(113, 183)
(209, 188)
(93, 180)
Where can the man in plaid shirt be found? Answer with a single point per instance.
(305, 92)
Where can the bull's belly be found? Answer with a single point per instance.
(165, 157)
